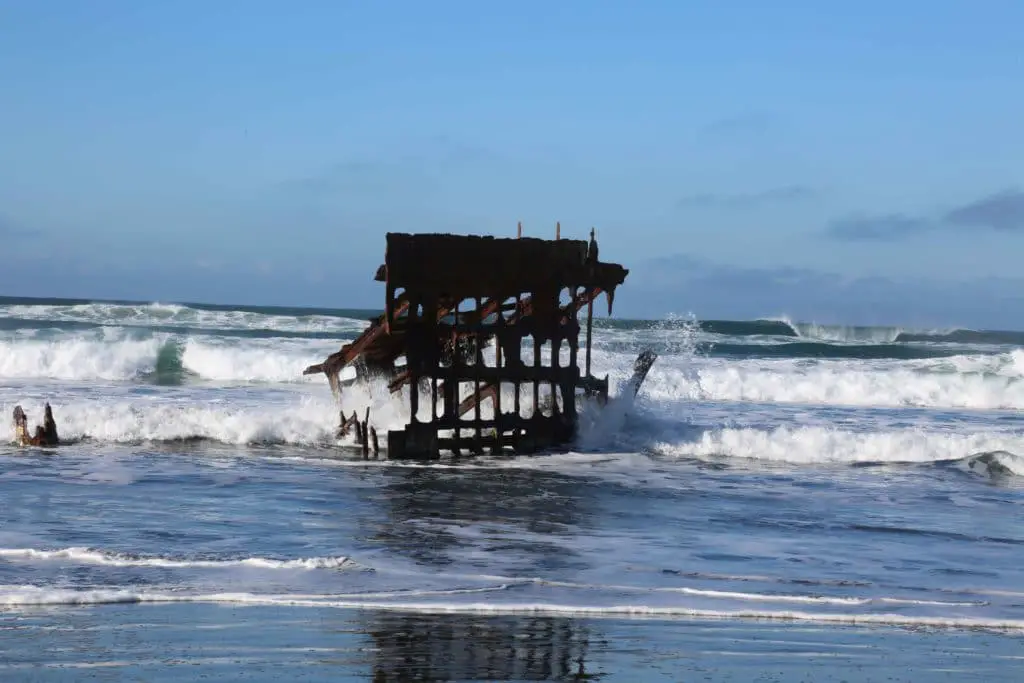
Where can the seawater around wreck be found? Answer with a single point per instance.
(771, 507)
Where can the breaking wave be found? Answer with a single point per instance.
(825, 445)
(73, 314)
(311, 422)
(813, 349)
(976, 382)
(849, 334)
(118, 356)
(69, 314)
(305, 422)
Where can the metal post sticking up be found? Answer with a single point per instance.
(591, 260)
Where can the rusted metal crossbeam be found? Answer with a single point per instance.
(374, 335)
(349, 352)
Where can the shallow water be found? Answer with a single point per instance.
(743, 519)
(175, 642)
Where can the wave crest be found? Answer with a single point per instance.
(157, 315)
(822, 445)
(982, 382)
(115, 355)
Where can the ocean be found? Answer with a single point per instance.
(782, 501)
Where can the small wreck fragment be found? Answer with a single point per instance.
(451, 297)
(45, 434)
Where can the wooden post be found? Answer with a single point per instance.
(376, 444)
(558, 230)
(365, 436)
(519, 230)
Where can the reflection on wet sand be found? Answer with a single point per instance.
(528, 512)
(429, 515)
(472, 647)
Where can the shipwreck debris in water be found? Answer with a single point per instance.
(448, 297)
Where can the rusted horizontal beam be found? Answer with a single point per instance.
(506, 423)
(488, 390)
(531, 439)
(375, 336)
(523, 373)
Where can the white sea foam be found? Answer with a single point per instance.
(164, 315)
(81, 555)
(113, 355)
(28, 596)
(808, 445)
(972, 382)
(765, 597)
(84, 357)
(302, 423)
(294, 417)
(119, 355)
(843, 333)
(255, 360)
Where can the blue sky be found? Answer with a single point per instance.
(861, 162)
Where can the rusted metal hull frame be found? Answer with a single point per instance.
(448, 297)
(462, 331)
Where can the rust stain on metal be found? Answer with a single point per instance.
(448, 297)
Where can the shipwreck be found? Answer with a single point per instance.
(450, 298)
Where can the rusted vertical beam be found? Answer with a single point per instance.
(498, 431)
(535, 381)
(516, 432)
(435, 310)
(590, 327)
(592, 252)
(414, 359)
(478, 357)
(433, 398)
(569, 401)
(456, 367)
(556, 343)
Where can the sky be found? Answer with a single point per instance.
(835, 162)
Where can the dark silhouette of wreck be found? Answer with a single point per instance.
(448, 297)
